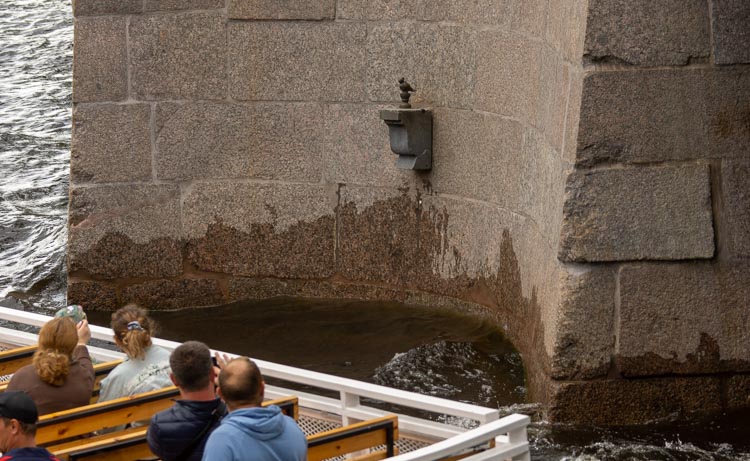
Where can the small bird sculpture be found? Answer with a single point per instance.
(406, 91)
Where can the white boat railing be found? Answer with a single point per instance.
(509, 433)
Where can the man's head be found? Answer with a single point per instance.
(18, 417)
(241, 384)
(192, 369)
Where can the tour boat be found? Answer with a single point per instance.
(429, 428)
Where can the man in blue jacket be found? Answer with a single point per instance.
(249, 431)
(180, 432)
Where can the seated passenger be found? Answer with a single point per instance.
(18, 418)
(61, 375)
(249, 431)
(146, 367)
(180, 433)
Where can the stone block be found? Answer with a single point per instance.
(282, 9)
(647, 33)
(92, 7)
(735, 188)
(659, 115)
(174, 294)
(585, 330)
(93, 295)
(657, 213)
(264, 229)
(476, 156)
(178, 56)
(125, 231)
(357, 148)
(211, 140)
(438, 60)
(172, 5)
(507, 79)
(683, 318)
(731, 31)
(110, 143)
(628, 402)
(296, 61)
(526, 16)
(738, 392)
(572, 117)
(100, 59)
(574, 15)
(554, 81)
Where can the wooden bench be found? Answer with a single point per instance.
(131, 444)
(13, 359)
(370, 434)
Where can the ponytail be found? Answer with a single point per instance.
(133, 329)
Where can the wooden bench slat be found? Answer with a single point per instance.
(13, 359)
(354, 437)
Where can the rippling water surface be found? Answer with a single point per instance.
(401, 347)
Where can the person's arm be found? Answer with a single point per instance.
(152, 437)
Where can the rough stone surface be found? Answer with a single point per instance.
(91, 7)
(647, 32)
(585, 332)
(189, 48)
(554, 82)
(661, 213)
(731, 31)
(357, 149)
(738, 390)
(572, 117)
(683, 318)
(280, 230)
(125, 231)
(284, 141)
(542, 185)
(627, 402)
(506, 63)
(296, 61)
(476, 156)
(736, 190)
(174, 294)
(92, 295)
(566, 28)
(110, 143)
(438, 60)
(282, 9)
(100, 59)
(171, 5)
(660, 115)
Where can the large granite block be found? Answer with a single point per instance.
(261, 229)
(683, 318)
(507, 78)
(572, 117)
(554, 82)
(627, 402)
(172, 5)
(100, 59)
(585, 330)
(731, 31)
(92, 295)
(125, 231)
(178, 56)
(661, 213)
(111, 143)
(92, 7)
(284, 141)
(647, 33)
(357, 148)
(736, 200)
(542, 185)
(658, 115)
(476, 156)
(566, 28)
(174, 294)
(438, 60)
(296, 61)
(282, 9)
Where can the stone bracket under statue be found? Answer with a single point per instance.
(410, 132)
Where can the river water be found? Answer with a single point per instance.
(405, 347)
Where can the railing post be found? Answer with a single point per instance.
(520, 435)
(347, 400)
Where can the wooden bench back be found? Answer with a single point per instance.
(13, 359)
(369, 434)
(130, 444)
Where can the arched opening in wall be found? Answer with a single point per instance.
(426, 350)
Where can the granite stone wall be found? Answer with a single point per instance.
(588, 192)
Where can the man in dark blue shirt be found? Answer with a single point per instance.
(18, 418)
